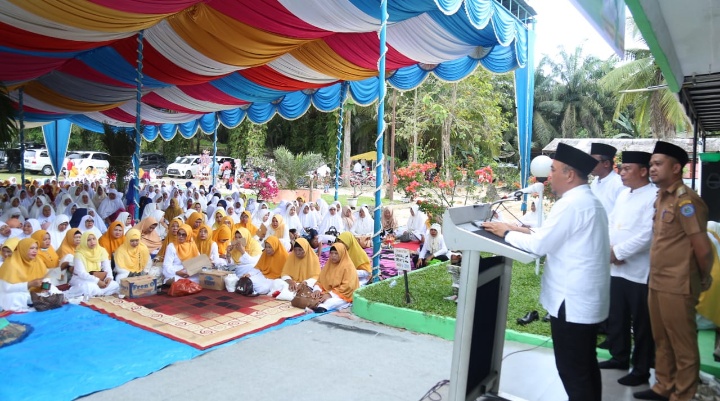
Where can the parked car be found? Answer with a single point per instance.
(38, 160)
(98, 160)
(154, 161)
(10, 160)
(186, 166)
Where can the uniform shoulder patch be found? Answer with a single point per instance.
(684, 202)
(681, 190)
(687, 210)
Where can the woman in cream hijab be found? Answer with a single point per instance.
(132, 257)
(21, 273)
(92, 275)
(433, 247)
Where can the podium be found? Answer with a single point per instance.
(482, 302)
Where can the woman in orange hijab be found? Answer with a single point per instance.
(19, 274)
(113, 238)
(170, 239)
(302, 267)
(46, 253)
(66, 253)
(176, 253)
(195, 221)
(269, 267)
(337, 282)
(246, 222)
(222, 237)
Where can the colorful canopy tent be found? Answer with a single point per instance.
(179, 66)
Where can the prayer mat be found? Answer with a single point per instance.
(387, 260)
(202, 320)
(11, 333)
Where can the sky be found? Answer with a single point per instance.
(560, 24)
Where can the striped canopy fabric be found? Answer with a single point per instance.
(210, 61)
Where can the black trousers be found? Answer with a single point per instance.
(576, 358)
(629, 308)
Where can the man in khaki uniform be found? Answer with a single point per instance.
(680, 262)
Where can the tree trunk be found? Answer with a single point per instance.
(415, 134)
(391, 178)
(445, 135)
(346, 148)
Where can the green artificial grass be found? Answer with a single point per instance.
(525, 297)
(428, 287)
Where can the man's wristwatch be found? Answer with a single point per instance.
(506, 233)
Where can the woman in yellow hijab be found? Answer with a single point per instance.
(222, 237)
(359, 258)
(207, 246)
(46, 253)
(183, 249)
(195, 221)
(171, 237)
(337, 282)
(19, 274)
(269, 267)
(66, 253)
(302, 267)
(246, 222)
(92, 274)
(8, 247)
(132, 257)
(279, 229)
(113, 238)
(244, 252)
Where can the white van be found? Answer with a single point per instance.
(38, 160)
(186, 166)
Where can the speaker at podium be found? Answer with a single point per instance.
(482, 301)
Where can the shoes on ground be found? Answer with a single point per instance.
(613, 364)
(528, 318)
(649, 395)
(633, 380)
(320, 309)
(546, 318)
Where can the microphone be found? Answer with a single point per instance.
(534, 188)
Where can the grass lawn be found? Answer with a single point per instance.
(330, 197)
(431, 285)
(29, 175)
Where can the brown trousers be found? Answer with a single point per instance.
(677, 358)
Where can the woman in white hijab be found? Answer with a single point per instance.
(331, 220)
(46, 216)
(37, 205)
(260, 213)
(416, 228)
(99, 222)
(308, 217)
(88, 224)
(530, 219)
(29, 227)
(292, 220)
(15, 202)
(58, 229)
(99, 196)
(63, 201)
(85, 201)
(433, 248)
(70, 209)
(13, 211)
(322, 208)
(125, 218)
(364, 224)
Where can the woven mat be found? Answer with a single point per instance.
(202, 320)
(388, 269)
(11, 333)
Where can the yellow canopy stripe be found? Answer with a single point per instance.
(227, 40)
(322, 58)
(41, 92)
(88, 15)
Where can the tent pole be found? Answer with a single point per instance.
(212, 169)
(21, 113)
(138, 128)
(338, 152)
(379, 144)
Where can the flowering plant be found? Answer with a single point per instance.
(413, 178)
(265, 187)
(433, 210)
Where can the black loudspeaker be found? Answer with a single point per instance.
(710, 189)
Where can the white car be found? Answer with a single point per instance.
(98, 160)
(186, 166)
(38, 160)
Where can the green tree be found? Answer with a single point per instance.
(120, 144)
(643, 92)
(247, 140)
(8, 131)
(291, 169)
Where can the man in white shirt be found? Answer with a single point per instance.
(357, 167)
(630, 238)
(607, 184)
(576, 277)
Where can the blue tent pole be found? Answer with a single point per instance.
(379, 143)
(21, 113)
(338, 152)
(138, 123)
(212, 169)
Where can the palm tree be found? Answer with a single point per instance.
(573, 95)
(656, 109)
(8, 130)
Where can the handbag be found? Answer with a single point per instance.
(41, 303)
(245, 287)
(332, 231)
(303, 298)
(183, 287)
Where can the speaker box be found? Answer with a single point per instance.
(710, 189)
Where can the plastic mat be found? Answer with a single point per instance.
(74, 351)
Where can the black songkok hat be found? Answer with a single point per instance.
(636, 157)
(669, 149)
(575, 158)
(602, 149)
